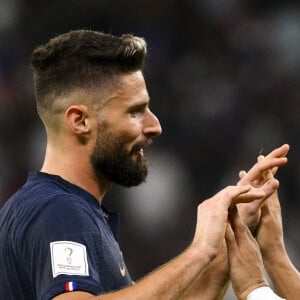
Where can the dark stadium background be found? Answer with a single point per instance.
(224, 79)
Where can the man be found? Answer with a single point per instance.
(56, 239)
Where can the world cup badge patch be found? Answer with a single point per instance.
(69, 258)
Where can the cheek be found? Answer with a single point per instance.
(120, 134)
(130, 130)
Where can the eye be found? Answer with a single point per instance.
(136, 113)
(137, 110)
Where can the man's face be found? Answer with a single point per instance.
(125, 128)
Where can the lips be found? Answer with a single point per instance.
(139, 148)
(141, 152)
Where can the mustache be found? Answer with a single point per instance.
(140, 145)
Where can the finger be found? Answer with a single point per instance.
(267, 175)
(252, 194)
(240, 230)
(274, 159)
(266, 164)
(274, 170)
(242, 174)
(231, 192)
(270, 186)
(279, 152)
(259, 168)
(260, 157)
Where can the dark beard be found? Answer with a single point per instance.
(118, 166)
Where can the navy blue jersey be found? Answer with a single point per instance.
(55, 238)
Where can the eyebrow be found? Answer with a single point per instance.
(140, 104)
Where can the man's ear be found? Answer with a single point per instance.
(78, 120)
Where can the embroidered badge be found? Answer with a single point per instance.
(68, 258)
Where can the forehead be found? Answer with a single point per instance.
(129, 89)
(132, 79)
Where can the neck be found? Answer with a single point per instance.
(75, 167)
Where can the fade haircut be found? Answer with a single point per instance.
(82, 59)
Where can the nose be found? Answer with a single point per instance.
(152, 126)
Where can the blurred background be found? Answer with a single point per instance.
(224, 80)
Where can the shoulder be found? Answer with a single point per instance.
(42, 198)
(48, 205)
(50, 194)
(67, 212)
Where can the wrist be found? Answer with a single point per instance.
(279, 267)
(202, 253)
(274, 254)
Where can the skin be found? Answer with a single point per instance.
(245, 261)
(173, 279)
(127, 116)
(269, 234)
(214, 282)
(250, 212)
(285, 277)
(126, 113)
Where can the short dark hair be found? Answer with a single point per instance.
(83, 59)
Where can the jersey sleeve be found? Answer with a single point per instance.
(73, 263)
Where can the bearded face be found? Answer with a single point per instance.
(112, 158)
(125, 128)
